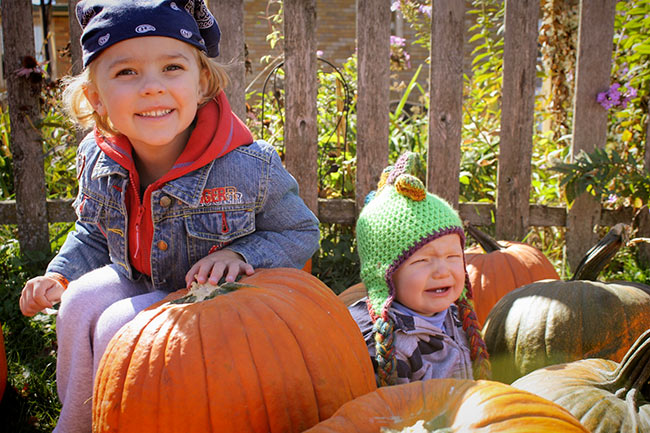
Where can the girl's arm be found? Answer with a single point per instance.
(84, 249)
(286, 231)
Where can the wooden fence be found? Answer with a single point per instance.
(513, 213)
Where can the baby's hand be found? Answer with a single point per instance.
(216, 265)
(38, 294)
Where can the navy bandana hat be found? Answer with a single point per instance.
(107, 22)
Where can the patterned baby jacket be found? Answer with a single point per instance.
(423, 351)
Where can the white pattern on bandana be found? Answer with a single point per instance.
(103, 39)
(144, 28)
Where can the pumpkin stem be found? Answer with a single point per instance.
(487, 242)
(203, 292)
(633, 372)
(600, 254)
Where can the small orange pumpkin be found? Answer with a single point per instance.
(449, 405)
(276, 352)
(496, 268)
(353, 293)
(603, 395)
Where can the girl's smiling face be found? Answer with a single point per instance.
(433, 277)
(150, 89)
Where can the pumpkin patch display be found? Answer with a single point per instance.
(275, 352)
(603, 395)
(553, 322)
(449, 405)
(496, 268)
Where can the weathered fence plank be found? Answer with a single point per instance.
(75, 37)
(301, 89)
(373, 50)
(593, 69)
(230, 16)
(446, 96)
(25, 112)
(517, 113)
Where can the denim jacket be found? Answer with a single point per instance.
(245, 200)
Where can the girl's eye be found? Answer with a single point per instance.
(173, 68)
(125, 72)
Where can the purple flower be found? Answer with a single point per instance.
(319, 53)
(614, 97)
(395, 6)
(397, 41)
(603, 99)
(426, 10)
(612, 198)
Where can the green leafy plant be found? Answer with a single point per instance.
(599, 172)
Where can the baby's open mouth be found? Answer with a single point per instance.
(438, 290)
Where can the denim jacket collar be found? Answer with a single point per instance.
(187, 188)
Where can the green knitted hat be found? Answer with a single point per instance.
(398, 219)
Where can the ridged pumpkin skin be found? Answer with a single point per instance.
(554, 322)
(603, 395)
(498, 272)
(278, 354)
(441, 405)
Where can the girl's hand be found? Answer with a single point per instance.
(38, 294)
(216, 265)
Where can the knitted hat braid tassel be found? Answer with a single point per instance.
(385, 357)
(478, 349)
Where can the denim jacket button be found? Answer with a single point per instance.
(165, 201)
(162, 245)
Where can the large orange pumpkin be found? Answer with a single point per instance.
(276, 352)
(554, 322)
(604, 395)
(441, 405)
(496, 268)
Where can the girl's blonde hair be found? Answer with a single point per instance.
(79, 109)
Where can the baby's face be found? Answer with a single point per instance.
(433, 277)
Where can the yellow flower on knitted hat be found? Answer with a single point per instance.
(411, 187)
(384, 177)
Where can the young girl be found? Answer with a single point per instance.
(418, 320)
(172, 187)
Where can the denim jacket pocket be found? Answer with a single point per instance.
(214, 229)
